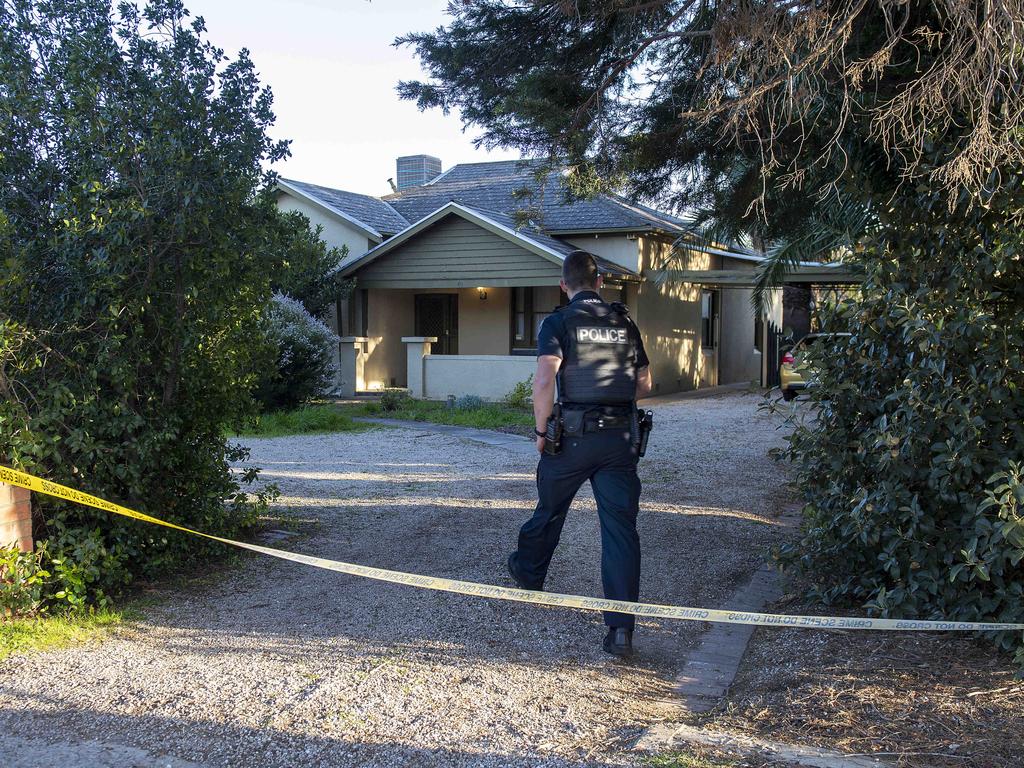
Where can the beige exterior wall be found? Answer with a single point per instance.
(488, 376)
(389, 318)
(668, 315)
(619, 249)
(484, 326)
(739, 361)
(336, 233)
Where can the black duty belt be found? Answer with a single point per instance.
(592, 423)
(600, 409)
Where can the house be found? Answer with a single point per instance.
(454, 276)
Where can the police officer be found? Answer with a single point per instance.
(593, 351)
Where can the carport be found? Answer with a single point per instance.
(789, 306)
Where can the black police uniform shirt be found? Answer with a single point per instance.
(600, 342)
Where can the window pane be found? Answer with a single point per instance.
(520, 325)
(538, 318)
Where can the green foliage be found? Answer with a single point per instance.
(521, 395)
(137, 246)
(485, 416)
(395, 399)
(911, 468)
(304, 356)
(304, 421)
(308, 272)
(22, 581)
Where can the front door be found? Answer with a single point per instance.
(437, 314)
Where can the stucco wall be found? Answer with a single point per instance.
(668, 315)
(390, 316)
(739, 361)
(488, 376)
(335, 232)
(484, 325)
(618, 249)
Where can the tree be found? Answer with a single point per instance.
(746, 114)
(309, 272)
(887, 132)
(138, 242)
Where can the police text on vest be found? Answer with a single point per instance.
(602, 335)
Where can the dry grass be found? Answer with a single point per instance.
(917, 699)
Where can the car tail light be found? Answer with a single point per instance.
(788, 358)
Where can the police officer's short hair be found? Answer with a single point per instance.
(579, 271)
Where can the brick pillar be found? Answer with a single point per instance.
(15, 517)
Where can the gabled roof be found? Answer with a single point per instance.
(512, 185)
(500, 224)
(374, 216)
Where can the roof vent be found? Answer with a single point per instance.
(415, 170)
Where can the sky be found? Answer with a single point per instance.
(333, 72)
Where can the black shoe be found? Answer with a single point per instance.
(619, 641)
(513, 571)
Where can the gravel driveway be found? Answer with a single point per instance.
(276, 664)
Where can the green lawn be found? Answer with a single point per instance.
(312, 419)
(49, 632)
(318, 419)
(486, 416)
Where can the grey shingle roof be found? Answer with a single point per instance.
(370, 211)
(500, 186)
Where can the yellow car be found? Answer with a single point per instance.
(795, 375)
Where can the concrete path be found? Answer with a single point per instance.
(20, 752)
(663, 738)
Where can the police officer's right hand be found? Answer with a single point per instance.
(540, 444)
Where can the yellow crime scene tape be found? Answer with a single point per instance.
(652, 610)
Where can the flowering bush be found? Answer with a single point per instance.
(305, 355)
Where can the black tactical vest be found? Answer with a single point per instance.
(599, 356)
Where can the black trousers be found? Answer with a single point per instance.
(606, 458)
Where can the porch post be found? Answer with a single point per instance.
(351, 359)
(15, 517)
(416, 348)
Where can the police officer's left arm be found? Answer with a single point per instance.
(549, 360)
(644, 383)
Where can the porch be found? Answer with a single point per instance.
(438, 342)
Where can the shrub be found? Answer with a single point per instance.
(23, 581)
(138, 238)
(521, 395)
(304, 356)
(911, 465)
(395, 399)
(469, 402)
